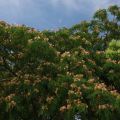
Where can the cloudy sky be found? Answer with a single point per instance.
(50, 14)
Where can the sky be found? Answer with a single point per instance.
(50, 14)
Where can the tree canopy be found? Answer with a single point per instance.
(61, 75)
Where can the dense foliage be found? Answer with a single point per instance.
(64, 74)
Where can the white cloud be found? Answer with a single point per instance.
(14, 10)
(11, 4)
(48, 12)
(89, 5)
(69, 4)
(11, 7)
(15, 5)
(18, 6)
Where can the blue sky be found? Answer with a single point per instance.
(50, 14)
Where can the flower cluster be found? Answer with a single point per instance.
(65, 54)
(100, 86)
(78, 77)
(105, 106)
